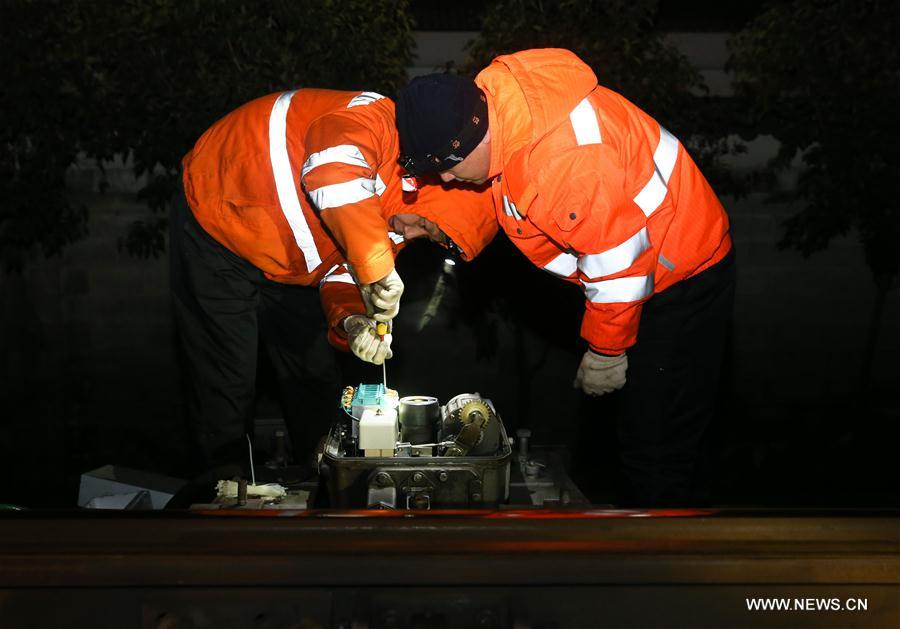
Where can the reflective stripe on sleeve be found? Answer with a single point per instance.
(338, 273)
(510, 209)
(619, 290)
(396, 238)
(409, 184)
(341, 154)
(616, 259)
(668, 264)
(366, 98)
(584, 123)
(564, 265)
(379, 185)
(654, 191)
(284, 181)
(353, 191)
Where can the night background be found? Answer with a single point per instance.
(790, 108)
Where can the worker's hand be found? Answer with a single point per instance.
(385, 296)
(364, 341)
(598, 374)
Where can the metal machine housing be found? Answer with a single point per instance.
(409, 480)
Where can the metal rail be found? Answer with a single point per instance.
(583, 562)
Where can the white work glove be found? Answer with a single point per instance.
(364, 341)
(384, 296)
(598, 374)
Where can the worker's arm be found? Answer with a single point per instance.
(349, 327)
(592, 215)
(340, 298)
(340, 176)
(464, 213)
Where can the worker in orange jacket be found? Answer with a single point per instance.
(293, 192)
(593, 190)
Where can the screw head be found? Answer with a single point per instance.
(418, 476)
(443, 476)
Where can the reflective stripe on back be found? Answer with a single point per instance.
(654, 191)
(284, 181)
(619, 290)
(584, 123)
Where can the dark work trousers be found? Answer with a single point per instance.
(225, 309)
(669, 399)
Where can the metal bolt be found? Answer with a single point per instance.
(443, 476)
(280, 448)
(524, 434)
(242, 492)
(476, 497)
(382, 478)
(418, 477)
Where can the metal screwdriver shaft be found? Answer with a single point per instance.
(381, 329)
(252, 469)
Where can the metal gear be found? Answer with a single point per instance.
(474, 417)
(473, 407)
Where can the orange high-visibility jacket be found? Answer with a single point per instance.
(594, 190)
(301, 184)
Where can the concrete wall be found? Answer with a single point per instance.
(87, 360)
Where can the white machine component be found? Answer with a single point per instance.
(378, 428)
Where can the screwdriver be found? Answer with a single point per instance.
(381, 329)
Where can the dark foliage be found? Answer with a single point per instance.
(142, 80)
(824, 79)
